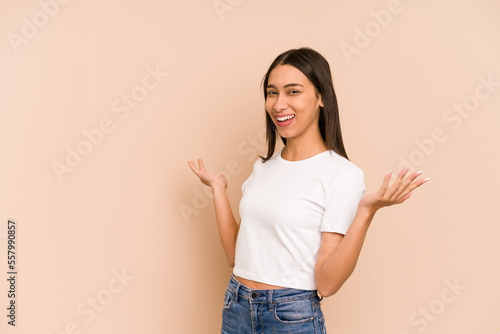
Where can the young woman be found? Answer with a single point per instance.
(303, 214)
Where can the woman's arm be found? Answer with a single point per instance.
(338, 254)
(228, 227)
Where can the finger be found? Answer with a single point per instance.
(193, 167)
(200, 163)
(406, 183)
(410, 190)
(385, 183)
(191, 164)
(404, 198)
(397, 183)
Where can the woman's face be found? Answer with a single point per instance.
(292, 103)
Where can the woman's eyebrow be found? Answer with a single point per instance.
(288, 85)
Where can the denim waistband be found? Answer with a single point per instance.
(269, 296)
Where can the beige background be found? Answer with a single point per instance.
(132, 208)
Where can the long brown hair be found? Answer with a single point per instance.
(315, 67)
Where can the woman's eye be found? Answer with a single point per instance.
(293, 92)
(271, 93)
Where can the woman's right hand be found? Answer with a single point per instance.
(210, 179)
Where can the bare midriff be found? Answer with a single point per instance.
(256, 285)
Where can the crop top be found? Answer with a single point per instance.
(284, 208)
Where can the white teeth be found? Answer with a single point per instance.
(284, 118)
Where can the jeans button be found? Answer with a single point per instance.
(254, 295)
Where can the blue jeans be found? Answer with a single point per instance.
(248, 311)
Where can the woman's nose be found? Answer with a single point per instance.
(281, 103)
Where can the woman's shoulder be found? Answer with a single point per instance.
(334, 167)
(336, 161)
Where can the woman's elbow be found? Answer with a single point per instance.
(327, 291)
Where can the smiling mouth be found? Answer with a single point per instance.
(284, 118)
(284, 121)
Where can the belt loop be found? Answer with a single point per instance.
(236, 292)
(270, 299)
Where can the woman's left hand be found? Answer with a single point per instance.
(401, 189)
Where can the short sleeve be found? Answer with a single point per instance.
(342, 199)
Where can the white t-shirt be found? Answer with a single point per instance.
(284, 208)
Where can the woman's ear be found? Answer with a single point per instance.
(321, 104)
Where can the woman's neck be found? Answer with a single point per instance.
(294, 151)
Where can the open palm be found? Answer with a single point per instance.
(401, 189)
(207, 178)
